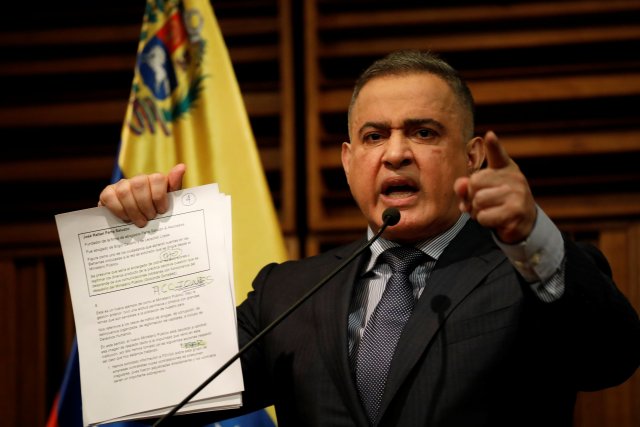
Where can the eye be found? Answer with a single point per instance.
(372, 138)
(423, 134)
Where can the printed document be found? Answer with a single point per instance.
(153, 307)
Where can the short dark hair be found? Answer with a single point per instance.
(412, 61)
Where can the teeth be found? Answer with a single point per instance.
(402, 190)
(400, 194)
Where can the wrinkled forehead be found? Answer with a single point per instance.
(392, 93)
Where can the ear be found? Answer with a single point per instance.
(346, 158)
(475, 154)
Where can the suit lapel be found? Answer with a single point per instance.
(331, 309)
(464, 263)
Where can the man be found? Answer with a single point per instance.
(507, 320)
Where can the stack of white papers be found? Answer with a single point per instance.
(154, 307)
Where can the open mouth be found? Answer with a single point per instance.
(399, 188)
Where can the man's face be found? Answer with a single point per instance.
(407, 148)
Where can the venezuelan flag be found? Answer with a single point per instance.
(185, 106)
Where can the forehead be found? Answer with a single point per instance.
(407, 96)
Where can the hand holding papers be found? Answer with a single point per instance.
(153, 307)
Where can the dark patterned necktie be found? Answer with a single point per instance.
(382, 332)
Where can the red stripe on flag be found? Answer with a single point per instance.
(173, 34)
(53, 416)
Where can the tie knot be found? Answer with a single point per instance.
(403, 259)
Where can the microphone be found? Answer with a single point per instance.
(390, 217)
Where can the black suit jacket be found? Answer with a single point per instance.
(480, 349)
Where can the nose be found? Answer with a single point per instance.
(398, 152)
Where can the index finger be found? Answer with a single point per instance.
(109, 199)
(497, 157)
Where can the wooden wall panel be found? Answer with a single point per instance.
(24, 365)
(8, 331)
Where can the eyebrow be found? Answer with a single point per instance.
(408, 123)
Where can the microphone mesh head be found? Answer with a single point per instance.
(391, 216)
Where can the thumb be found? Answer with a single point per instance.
(497, 157)
(175, 177)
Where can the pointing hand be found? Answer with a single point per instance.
(498, 196)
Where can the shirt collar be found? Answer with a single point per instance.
(433, 246)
